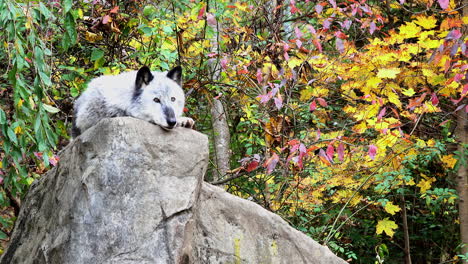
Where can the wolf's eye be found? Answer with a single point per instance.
(173, 99)
(156, 100)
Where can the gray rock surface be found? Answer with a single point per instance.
(127, 191)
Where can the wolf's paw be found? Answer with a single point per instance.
(185, 122)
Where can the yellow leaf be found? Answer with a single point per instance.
(387, 226)
(374, 82)
(449, 161)
(394, 99)
(293, 62)
(465, 20)
(426, 22)
(20, 103)
(410, 30)
(391, 208)
(426, 183)
(92, 37)
(408, 92)
(18, 130)
(388, 73)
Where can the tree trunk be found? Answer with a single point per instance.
(221, 137)
(462, 177)
(405, 232)
(462, 180)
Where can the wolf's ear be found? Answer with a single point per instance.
(176, 75)
(144, 76)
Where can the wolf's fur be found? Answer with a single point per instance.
(156, 97)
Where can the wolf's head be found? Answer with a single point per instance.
(158, 96)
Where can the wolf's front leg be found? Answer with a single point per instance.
(185, 122)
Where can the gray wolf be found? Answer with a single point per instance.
(156, 97)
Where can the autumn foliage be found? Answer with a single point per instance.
(341, 113)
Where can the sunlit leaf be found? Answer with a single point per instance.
(386, 225)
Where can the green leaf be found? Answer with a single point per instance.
(47, 14)
(2, 117)
(69, 24)
(96, 54)
(67, 5)
(50, 108)
(45, 78)
(12, 136)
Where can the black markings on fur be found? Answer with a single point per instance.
(144, 76)
(75, 130)
(176, 75)
(170, 116)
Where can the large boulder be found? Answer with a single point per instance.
(127, 191)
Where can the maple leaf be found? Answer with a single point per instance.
(386, 225)
(409, 30)
(388, 73)
(427, 22)
(391, 208)
(449, 161)
(425, 183)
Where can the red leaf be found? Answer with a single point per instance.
(445, 122)
(340, 35)
(293, 142)
(465, 90)
(223, 63)
(201, 12)
(243, 71)
(324, 158)
(382, 113)
(318, 135)
(252, 166)
(372, 151)
(106, 19)
(317, 44)
(372, 28)
(259, 76)
(444, 3)
(322, 102)
(54, 160)
(330, 151)
(333, 3)
(114, 10)
(434, 99)
(270, 164)
(313, 106)
(340, 151)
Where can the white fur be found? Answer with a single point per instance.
(109, 96)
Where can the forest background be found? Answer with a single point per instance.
(346, 117)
